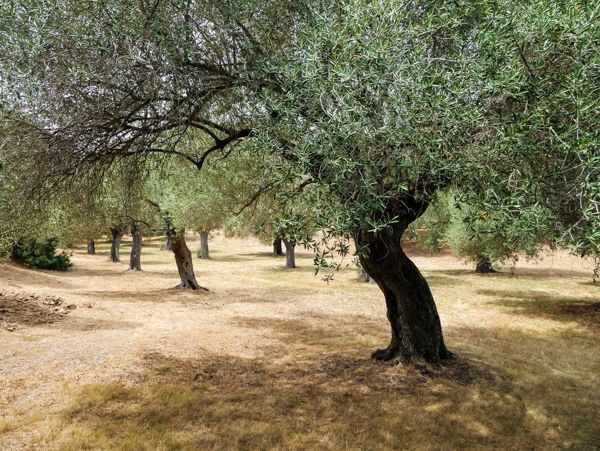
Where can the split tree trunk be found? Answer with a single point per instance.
(277, 249)
(203, 249)
(484, 266)
(290, 253)
(136, 248)
(91, 247)
(411, 310)
(115, 243)
(183, 258)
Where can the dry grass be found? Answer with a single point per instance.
(271, 358)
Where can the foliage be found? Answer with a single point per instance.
(484, 234)
(378, 104)
(41, 255)
(205, 200)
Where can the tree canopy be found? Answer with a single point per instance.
(379, 105)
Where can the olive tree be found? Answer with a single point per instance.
(484, 235)
(387, 103)
(379, 105)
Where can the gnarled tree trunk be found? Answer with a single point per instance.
(183, 258)
(411, 310)
(91, 247)
(277, 249)
(484, 265)
(290, 253)
(136, 248)
(203, 249)
(115, 243)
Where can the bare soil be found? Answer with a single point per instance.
(101, 358)
(19, 310)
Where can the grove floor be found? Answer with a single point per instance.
(276, 358)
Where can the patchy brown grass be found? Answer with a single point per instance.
(276, 359)
(331, 402)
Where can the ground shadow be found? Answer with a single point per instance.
(283, 268)
(265, 254)
(153, 296)
(327, 402)
(77, 323)
(437, 280)
(314, 390)
(582, 310)
(16, 274)
(235, 258)
(118, 270)
(414, 249)
(517, 273)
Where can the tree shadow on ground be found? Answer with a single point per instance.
(252, 256)
(151, 262)
(154, 296)
(582, 310)
(305, 394)
(414, 249)
(18, 275)
(518, 273)
(306, 268)
(336, 401)
(437, 280)
(265, 255)
(116, 270)
(86, 324)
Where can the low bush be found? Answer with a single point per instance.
(41, 255)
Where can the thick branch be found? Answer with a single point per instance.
(220, 144)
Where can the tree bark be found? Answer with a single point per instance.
(115, 243)
(183, 258)
(290, 253)
(203, 249)
(277, 249)
(91, 247)
(364, 276)
(136, 248)
(168, 243)
(484, 265)
(169, 232)
(411, 311)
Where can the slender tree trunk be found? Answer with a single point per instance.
(364, 276)
(290, 253)
(411, 310)
(136, 248)
(203, 249)
(183, 258)
(115, 243)
(484, 265)
(91, 247)
(277, 249)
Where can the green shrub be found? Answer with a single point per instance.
(41, 255)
